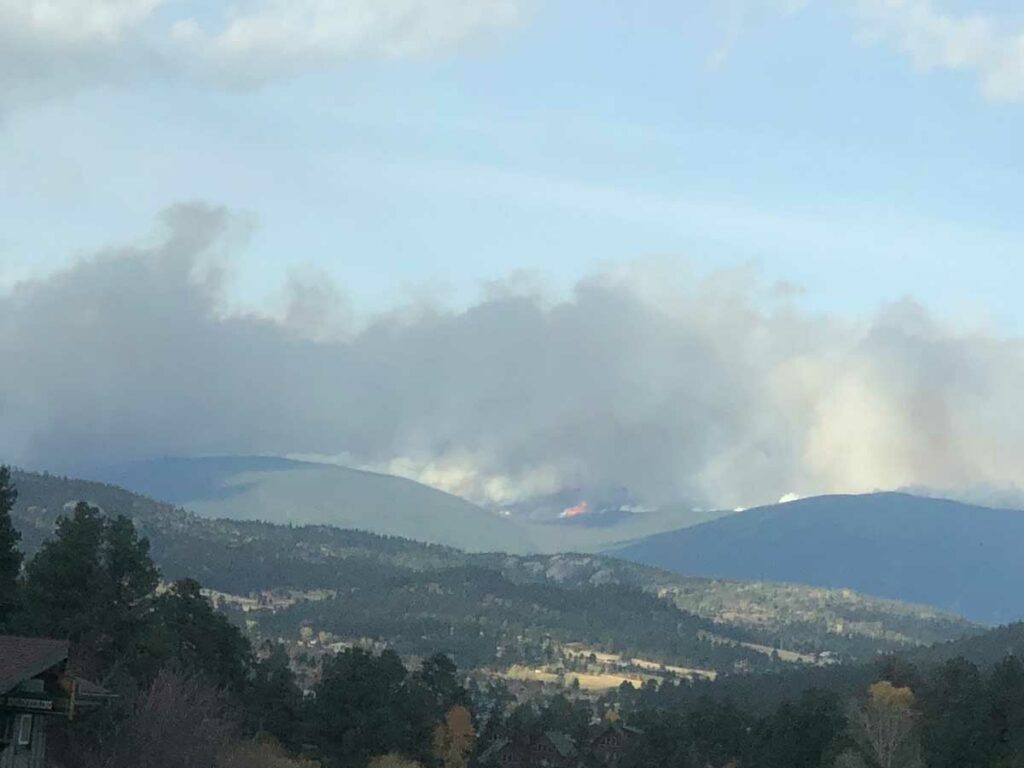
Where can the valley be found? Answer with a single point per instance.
(484, 607)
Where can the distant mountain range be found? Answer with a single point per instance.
(417, 594)
(303, 493)
(283, 491)
(957, 557)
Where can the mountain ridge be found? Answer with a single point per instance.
(290, 491)
(242, 557)
(284, 490)
(955, 556)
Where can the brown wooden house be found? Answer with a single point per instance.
(35, 688)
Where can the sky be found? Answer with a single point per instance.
(341, 177)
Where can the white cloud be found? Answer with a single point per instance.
(71, 22)
(46, 44)
(738, 15)
(983, 45)
(50, 46)
(934, 39)
(263, 37)
(695, 390)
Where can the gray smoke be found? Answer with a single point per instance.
(707, 391)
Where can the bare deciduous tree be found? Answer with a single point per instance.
(884, 725)
(179, 722)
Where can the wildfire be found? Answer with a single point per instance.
(580, 509)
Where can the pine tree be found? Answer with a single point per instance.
(188, 630)
(92, 584)
(273, 699)
(64, 582)
(129, 581)
(10, 556)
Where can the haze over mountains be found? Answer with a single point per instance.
(303, 493)
(306, 493)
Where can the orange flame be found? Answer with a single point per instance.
(580, 509)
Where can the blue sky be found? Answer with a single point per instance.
(581, 135)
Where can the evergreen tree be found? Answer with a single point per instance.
(10, 557)
(564, 716)
(273, 700)
(440, 676)
(957, 716)
(191, 634)
(92, 584)
(801, 734)
(129, 580)
(1006, 702)
(65, 584)
(368, 705)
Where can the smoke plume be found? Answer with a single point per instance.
(702, 391)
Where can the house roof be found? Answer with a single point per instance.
(493, 750)
(617, 726)
(22, 658)
(564, 744)
(90, 690)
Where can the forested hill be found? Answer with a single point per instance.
(661, 614)
(278, 490)
(957, 557)
(292, 492)
(986, 651)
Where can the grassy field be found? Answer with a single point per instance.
(604, 671)
(790, 656)
(588, 682)
(579, 651)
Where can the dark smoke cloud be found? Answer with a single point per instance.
(704, 391)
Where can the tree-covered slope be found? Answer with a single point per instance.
(984, 649)
(303, 493)
(306, 493)
(583, 597)
(957, 557)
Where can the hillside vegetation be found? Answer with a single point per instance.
(194, 691)
(306, 493)
(427, 597)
